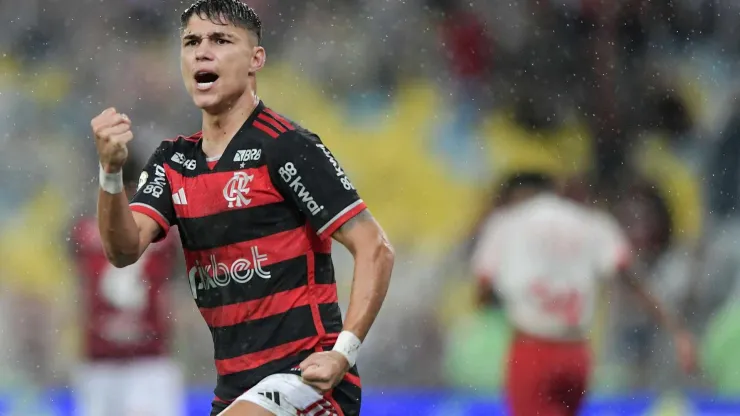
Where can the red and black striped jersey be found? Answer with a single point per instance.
(256, 228)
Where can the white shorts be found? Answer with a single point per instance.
(288, 395)
(143, 387)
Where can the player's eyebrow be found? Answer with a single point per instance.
(212, 35)
(217, 35)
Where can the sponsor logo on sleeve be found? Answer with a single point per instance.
(156, 185)
(338, 169)
(289, 173)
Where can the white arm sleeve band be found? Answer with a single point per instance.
(111, 182)
(348, 345)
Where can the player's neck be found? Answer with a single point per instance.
(219, 129)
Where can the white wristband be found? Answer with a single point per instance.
(111, 182)
(348, 345)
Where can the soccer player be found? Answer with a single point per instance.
(547, 257)
(257, 200)
(126, 327)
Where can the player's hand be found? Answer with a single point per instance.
(112, 132)
(686, 351)
(324, 370)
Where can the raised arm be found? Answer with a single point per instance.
(125, 233)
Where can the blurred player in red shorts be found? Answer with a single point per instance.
(126, 328)
(547, 257)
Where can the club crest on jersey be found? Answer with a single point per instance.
(236, 190)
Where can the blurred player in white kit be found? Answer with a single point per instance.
(547, 257)
(126, 368)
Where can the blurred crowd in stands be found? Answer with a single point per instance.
(428, 104)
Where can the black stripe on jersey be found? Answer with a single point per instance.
(324, 269)
(292, 275)
(248, 337)
(225, 228)
(331, 317)
(348, 397)
(231, 386)
(203, 171)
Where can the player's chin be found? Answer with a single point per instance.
(206, 101)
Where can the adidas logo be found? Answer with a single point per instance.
(271, 395)
(179, 197)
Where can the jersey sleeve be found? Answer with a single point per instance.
(153, 196)
(614, 250)
(309, 176)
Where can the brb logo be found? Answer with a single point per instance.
(179, 158)
(215, 274)
(235, 191)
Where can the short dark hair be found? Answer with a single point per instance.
(225, 11)
(531, 180)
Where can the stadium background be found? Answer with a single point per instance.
(428, 104)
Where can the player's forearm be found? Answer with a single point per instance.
(118, 229)
(372, 277)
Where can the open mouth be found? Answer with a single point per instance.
(204, 80)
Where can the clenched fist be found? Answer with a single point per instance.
(324, 370)
(112, 132)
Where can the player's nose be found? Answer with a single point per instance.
(203, 52)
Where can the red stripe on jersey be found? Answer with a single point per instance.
(330, 339)
(318, 244)
(272, 122)
(352, 379)
(311, 260)
(270, 132)
(318, 408)
(257, 359)
(340, 219)
(271, 249)
(151, 213)
(280, 118)
(334, 403)
(216, 192)
(271, 305)
(194, 138)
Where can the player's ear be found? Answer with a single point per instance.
(258, 59)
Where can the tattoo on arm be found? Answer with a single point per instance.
(364, 215)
